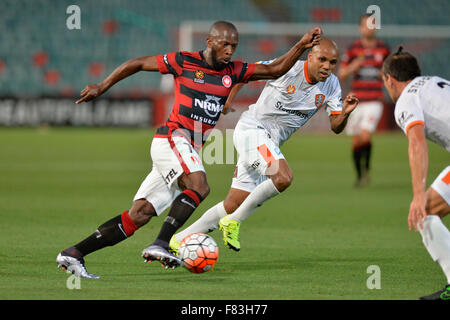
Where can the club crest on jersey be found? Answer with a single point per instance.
(319, 100)
(226, 81)
(199, 76)
(291, 89)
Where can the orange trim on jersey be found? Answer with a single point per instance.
(305, 69)
(446, 178)
(412, 124)
(335, 112)
(266, 154)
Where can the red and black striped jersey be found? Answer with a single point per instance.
(367, 83)
(200, 93)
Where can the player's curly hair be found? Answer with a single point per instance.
(401, 65)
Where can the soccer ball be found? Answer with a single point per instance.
(199, 252)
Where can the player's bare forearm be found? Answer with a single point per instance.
(227, 107)
(418, 159)
(418, 162)
(123, 71)
(345, 71)
(339, 121)
(129, 68)
(284, 63)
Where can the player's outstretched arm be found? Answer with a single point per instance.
(126, 69)
(418, 162)
(345, 71)
(282, 65)
(339, 121)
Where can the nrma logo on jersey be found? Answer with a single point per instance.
(211, 105)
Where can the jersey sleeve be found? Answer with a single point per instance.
(334, 104)
(244, 71)
(169, 63)
(408, 112)
(265, 61)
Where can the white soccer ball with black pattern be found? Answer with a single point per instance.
(199, 252)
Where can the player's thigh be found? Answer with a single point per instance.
(195, 181)
(371, 116)
(438, 195)
(178, 163)
(155, 190)
(365, 117)
(353, 123)
(257, 151)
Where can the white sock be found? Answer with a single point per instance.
(436, 239)
(263, 192)
(208, 222)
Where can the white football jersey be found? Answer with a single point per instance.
(426, 100)
(288, 102)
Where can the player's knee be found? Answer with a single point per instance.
(282, 181)
(230, 205)
(196, 182)
(202, 190)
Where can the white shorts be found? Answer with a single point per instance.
(365, 117)
(171, 158)
(442, 184)
(256, 151)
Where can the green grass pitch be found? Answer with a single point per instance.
(315, 241)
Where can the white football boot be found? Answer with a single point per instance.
(158, 253)
(75, 266)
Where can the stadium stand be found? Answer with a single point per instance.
(40, 56)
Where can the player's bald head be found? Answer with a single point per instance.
(327, 45)
(322, 60)
(223, 29)
(221, 42)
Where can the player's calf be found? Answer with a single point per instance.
(141, 212)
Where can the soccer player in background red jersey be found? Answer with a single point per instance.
(364, 59)
(203, 81)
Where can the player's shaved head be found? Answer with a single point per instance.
(222, 41)
(220, 27)
(322, 60)
(326, 44)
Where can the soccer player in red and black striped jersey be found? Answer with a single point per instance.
(363, 60)
(203, 81)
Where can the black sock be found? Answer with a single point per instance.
(366, 150)
(182, 208)
(357, 161)
(108, 234)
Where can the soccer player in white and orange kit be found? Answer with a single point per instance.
(422, 111)
(284, 106)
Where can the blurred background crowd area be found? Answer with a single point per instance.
(40, 56)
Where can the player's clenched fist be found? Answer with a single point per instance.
(312, 37)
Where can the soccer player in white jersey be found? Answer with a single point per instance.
(422, 110)
(284, 106)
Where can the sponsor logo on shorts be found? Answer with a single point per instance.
(256, 164)
(170, 176)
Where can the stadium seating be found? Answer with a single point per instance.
(40, 56)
